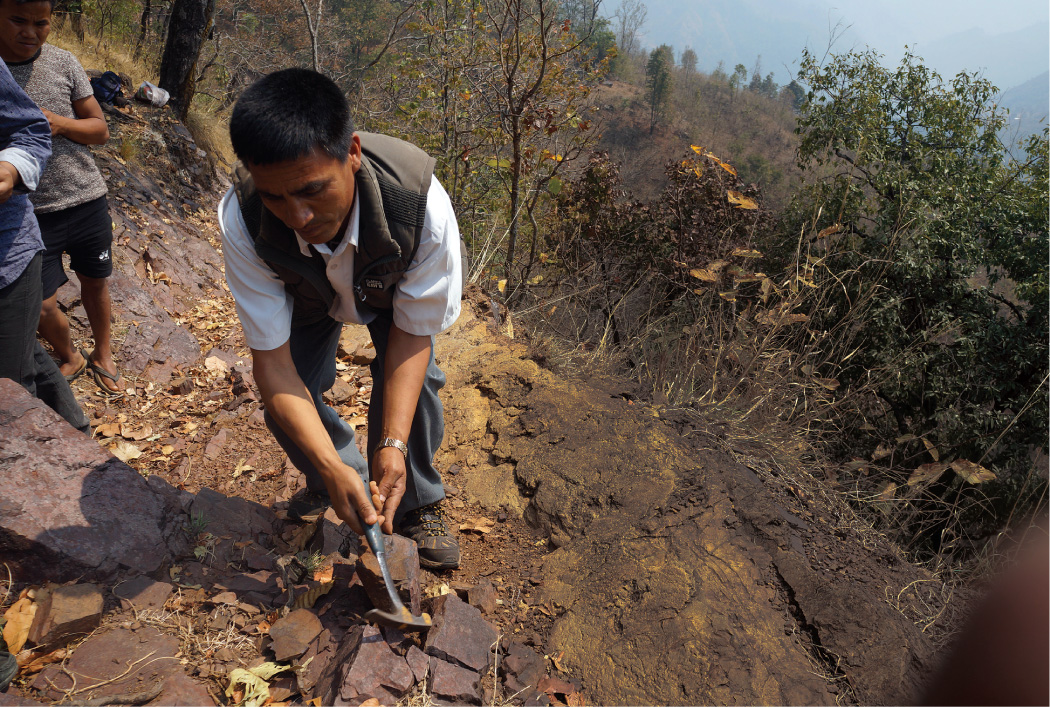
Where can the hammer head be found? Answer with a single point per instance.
(403, 620)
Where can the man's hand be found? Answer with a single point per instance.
(9, 179)
(351, 501)
(388, 483)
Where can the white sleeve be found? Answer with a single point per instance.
(27, 166)
(263, 305)
(427, 298)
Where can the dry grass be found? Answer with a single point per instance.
(207, 121)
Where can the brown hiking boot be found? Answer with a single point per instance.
(438, 548)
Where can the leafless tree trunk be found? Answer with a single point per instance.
(191, 21)
(313, 22)
(143, 27)
(630, 17)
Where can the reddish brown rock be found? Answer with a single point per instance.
(64, 612)
(376, 672)
(483, 597)
(402, 557)
(292, 634)
(316, 658)
(216, 445)
(232, 517)
(108, 655)
(333, 535)
(523, 668)
(454, 683)
(327, 686)
(418, 662)
(181, 690)
(70, 510)
(342, 392)
(460, 634)
(143, 593)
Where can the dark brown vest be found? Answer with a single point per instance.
(392, 186)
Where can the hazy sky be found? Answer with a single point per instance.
(1003, 39)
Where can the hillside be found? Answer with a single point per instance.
(648, 559)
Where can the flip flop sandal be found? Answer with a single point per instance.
(98, 373)
(76, 374)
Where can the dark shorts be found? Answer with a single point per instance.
(85, 232)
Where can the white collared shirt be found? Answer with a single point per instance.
(426, 299)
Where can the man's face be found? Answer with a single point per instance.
(23, 29)
(312, 194)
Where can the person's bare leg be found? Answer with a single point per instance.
(54, 328)
(94, 292)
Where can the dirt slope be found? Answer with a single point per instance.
(680, 577)
(657, 571)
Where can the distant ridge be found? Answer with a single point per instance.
(1029, 106)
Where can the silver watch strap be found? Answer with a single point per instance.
(392, 442)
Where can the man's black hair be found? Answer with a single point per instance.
(285, 115)
(26, 2)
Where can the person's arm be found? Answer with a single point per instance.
(87, 128)
(25, 139)
(404, 367)
(286, 398)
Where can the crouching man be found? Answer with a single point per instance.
(323, 226)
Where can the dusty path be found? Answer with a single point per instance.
(655, 570)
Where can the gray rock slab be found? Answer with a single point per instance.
(69, 508)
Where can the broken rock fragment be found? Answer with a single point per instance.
(402, 559)
(376, 672)
(454, 684)
(460, 634)
(66, 612)
(523, 668)
(143, 593)
(292, 635)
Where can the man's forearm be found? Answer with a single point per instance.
(289, 403)
(294, 412)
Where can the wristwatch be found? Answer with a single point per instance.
(392, 442)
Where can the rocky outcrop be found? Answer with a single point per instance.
(681, 577)
(69, 508)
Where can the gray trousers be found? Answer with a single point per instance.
(313, 349)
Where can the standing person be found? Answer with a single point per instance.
(323, 226)
(25, 145)
(70, 202)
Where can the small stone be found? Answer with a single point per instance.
(292, 634)
(501, 517)
(216, 445)
(341, 391)
(225, 598)
(454, 683)
(143, 593)
(483, 597)
(418, 662)
(459, 634)
(66, 611)
(182, 386)
(523, 668)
